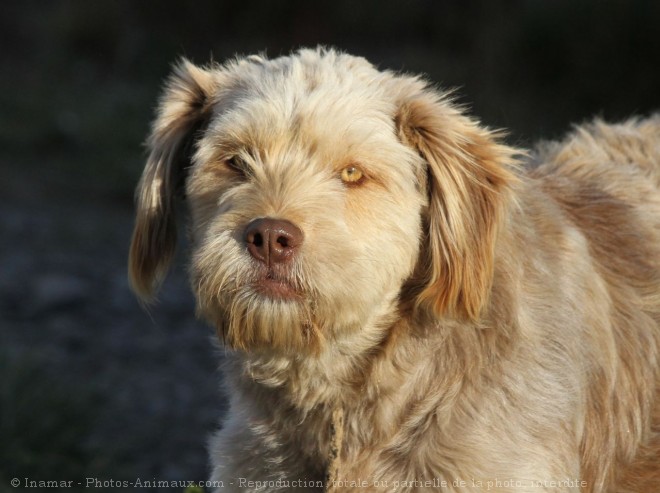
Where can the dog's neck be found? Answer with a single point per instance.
(355, 375)
(362, 366)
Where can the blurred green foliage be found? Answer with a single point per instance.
(194, 489)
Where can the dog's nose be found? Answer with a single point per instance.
(272, 241)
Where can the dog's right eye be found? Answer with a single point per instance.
(236, 164)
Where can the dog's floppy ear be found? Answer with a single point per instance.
(469, 179)
(184, 108)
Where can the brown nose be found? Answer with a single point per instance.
(272, 241)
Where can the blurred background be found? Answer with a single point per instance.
(91, 383)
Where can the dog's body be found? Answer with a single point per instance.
(403, 306)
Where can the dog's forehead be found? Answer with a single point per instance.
(318, 99)
(307, 73)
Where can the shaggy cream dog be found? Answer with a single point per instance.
(405, 306)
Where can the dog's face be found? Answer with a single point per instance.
(318, 187)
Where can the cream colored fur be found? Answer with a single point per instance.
(479, 324)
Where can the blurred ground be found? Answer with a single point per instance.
(91, 384)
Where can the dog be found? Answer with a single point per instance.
(407, 303)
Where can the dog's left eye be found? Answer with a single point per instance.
(352, 175)
(235, 164)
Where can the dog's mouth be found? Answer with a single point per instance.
(276, 286)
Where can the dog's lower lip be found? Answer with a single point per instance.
(275, 288)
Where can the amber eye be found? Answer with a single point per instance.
(352, 175)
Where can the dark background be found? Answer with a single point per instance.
(92, 384)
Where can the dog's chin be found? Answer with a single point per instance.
(267, 314)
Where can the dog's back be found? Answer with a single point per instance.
(606, 179)
(632, 144)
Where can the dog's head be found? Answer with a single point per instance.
(318, 187)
